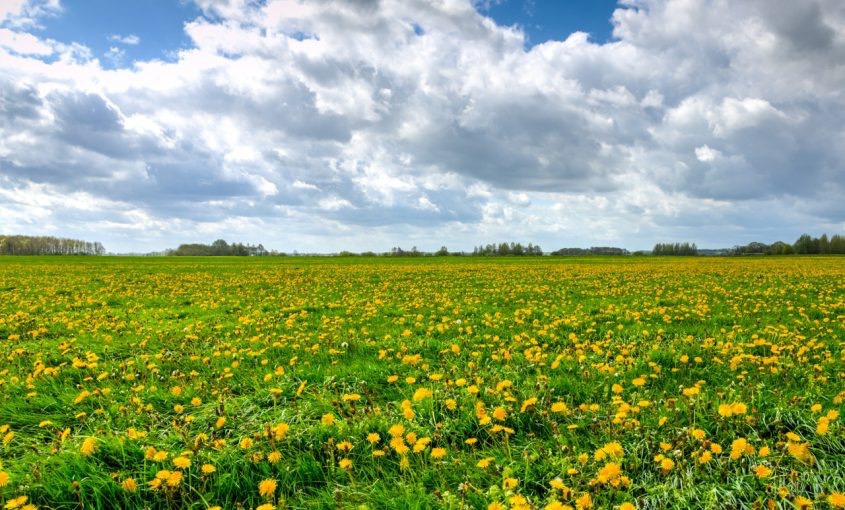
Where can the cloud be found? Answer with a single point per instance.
(374, 122)
(130, 39)
(27, 13)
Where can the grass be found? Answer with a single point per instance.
(204, 358)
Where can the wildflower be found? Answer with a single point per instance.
(88, 446)
(129, 485)
(438, 453)
(182, 462)
(836, 500)
(345, 464)
(609, 472)
(373, 437)
(327, 419)
(280, 431)
(510, 483)
(207, 469)
(500, 414)
(584, 502)
(344, 446)
(559, 407)
(220, 422)
(246, 443)
(738, 447)
(530, 402)
(4, 478)
(267, 488)
(174, 479)
(627, 506)
(16, 502)
(396, 430)
(421, 394)
(265, 506)
(822, 426)
(762, 471)
(351, 397)
(274, 457)
(483, 463)
(666, 465)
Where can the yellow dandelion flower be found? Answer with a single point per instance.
(129, 485)
(484, 463)
(510, 483)
(207, 469)
(4, 478)
(327, 419)
(182, 462)
(88, 446)
(267, 487)
(836, 500)
(762, 471)
(274, 457)
(345, 464)
(174, 479)
(16, 502)
(438, 453)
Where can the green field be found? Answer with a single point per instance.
(422, 383)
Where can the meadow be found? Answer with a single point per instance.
(495, 383)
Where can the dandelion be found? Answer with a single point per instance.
(327, 419)
(174, 479)
(89, 445)
(129, 485)
(220, 422)
(4, 478)
(373, 437)
(208, 469)
(274, 457)
(836, 500)
(345, 464)
(484, 463)
(267, 487)
(762, 471)
(500, 414)
(584, 502)
(245, 443)
(608, 472)
(559, 407)
(666, 465)
(438, 453)
(510, 483)
(16, 502)
(182, 462)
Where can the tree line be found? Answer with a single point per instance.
(593, 250)
(507, 250)
(47, 245)
(220, 248)
(804, 245)
(686, 249)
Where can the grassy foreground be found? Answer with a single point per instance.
(430, 383)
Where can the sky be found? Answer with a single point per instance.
(328, 125)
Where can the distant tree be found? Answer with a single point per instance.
(805, 245)
(442, 252)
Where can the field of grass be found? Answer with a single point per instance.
(426, 383)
